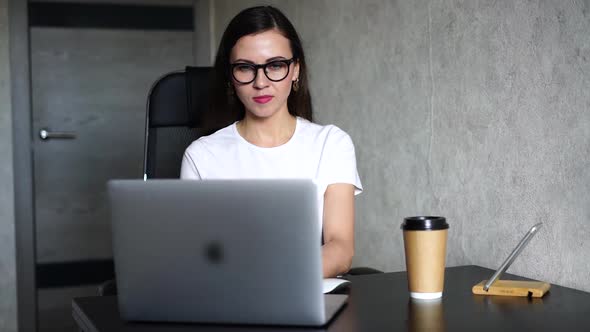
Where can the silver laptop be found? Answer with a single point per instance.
(219, 251)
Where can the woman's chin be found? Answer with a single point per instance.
(262, 112)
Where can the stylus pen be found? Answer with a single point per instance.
(512, 256)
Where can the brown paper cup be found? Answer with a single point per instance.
(425, 259)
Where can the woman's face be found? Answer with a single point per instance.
(264, 96)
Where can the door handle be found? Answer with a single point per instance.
(45, 134)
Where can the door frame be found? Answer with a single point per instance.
(24, 201)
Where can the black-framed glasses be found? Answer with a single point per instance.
(275, 70)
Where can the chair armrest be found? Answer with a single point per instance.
(107, 288)
(355, 271)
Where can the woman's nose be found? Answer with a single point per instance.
(261, 81)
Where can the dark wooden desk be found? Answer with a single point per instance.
(381, 302)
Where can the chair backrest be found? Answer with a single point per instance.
(175, 104)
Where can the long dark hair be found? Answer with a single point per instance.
(224, 107)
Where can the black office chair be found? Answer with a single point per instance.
(176, 103)
(174, 118)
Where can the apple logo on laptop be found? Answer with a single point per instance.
(214, 252)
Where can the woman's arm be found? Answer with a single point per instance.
(338, 230)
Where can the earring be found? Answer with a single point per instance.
(296, 84)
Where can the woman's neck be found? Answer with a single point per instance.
(267, 132)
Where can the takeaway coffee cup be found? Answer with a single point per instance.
(425, 244)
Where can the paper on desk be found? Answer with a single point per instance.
(332, 283)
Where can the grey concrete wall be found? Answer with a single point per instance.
(8, 300)
(477, 111)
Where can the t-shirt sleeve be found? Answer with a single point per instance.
(188, 169)
(338, 164)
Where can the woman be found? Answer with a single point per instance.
(260, 91)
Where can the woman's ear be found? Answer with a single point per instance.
(295, 71)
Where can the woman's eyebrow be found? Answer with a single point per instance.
(276, 58)
(243, 60)
(267, 60)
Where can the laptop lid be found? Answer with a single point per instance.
(218, 251)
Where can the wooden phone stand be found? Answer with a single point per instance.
(495, 286)
(513, 288)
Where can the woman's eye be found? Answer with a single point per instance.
(275, 66)
(244, 68)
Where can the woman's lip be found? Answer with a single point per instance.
(262, 99)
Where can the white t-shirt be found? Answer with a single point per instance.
(324, 154)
